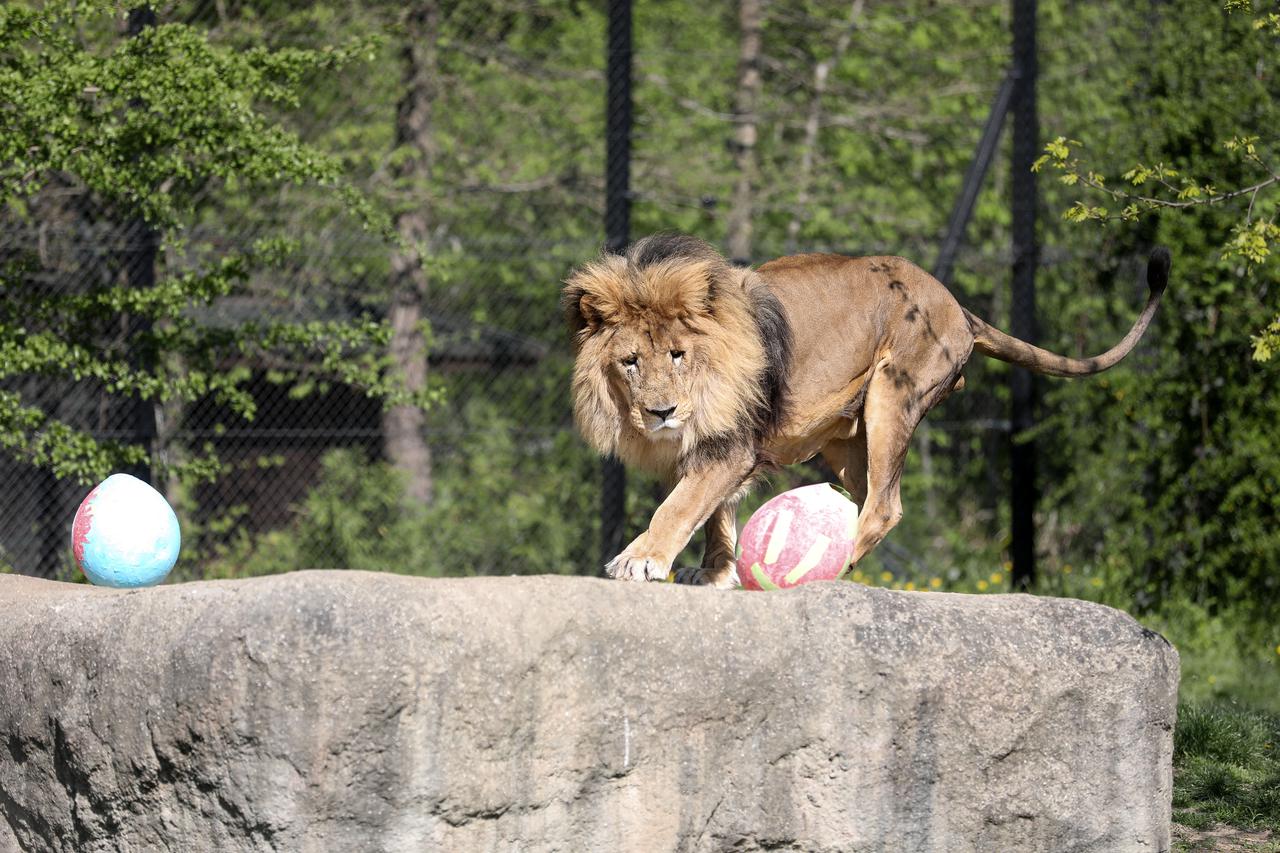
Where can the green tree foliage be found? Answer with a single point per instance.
(1243, 176)
(511, 198)
(149, 127)
(1167, 476)
(354, 518)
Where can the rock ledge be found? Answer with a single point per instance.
(354, 711)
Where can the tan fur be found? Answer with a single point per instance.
(878, 342)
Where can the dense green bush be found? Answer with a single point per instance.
(1165, 470)
(499, 507)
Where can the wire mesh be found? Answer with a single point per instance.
(506, 176)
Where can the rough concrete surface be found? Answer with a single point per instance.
(350, 711)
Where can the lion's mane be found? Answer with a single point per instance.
(740, 393)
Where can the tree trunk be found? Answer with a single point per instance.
(403, 431)
(746, 100)
(813, 121)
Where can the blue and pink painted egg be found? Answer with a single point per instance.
(125, 534)
(802, 535)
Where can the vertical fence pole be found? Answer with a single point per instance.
(617, 227)
(1026, 257)
(142, 244)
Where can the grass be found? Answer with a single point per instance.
(1226, 773)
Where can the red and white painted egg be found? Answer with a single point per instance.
(125, 534)
(802, 535)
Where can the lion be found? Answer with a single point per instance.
(707, 374)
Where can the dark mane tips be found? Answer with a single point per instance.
(661, 248)
(778, 342)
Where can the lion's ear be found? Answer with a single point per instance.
(591, 295)
(583, 309)
(682, 289)
(579, 312)
(590, 315)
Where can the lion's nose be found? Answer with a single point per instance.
(662, 414)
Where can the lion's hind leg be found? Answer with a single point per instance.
(897, 400)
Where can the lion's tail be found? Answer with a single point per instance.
(989, 340)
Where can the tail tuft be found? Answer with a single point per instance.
(991, 341)
(1158, 270)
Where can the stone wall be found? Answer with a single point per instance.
(348, 711)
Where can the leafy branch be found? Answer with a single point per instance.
(1151, 188)
(1269, 22)
(154, 126)
(1160, 186)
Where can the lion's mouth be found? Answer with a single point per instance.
(666, 428)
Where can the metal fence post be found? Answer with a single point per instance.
(142, 244)
(617, 226)
(1026, 257)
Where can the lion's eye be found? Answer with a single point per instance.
(676, 355)
(631, 361)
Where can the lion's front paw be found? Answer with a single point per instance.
(720, 578)
(638, 567)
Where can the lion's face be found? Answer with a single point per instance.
(655, 369)
(668, 351)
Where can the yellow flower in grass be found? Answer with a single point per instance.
(1278, 650)
(1096, 581)
(982, 586)
(936, 583)
(996, 577)
(910, 587)
(885, 577)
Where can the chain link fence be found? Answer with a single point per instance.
(510, 196)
